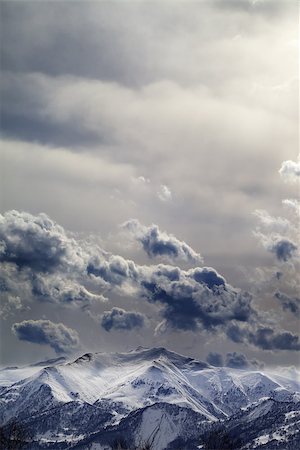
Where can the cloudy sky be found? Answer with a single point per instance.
(150, 179)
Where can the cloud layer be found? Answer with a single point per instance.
(197, 299)
(176, 116)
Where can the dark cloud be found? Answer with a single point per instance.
(159, 243)
(76, 273)
(264, 338)
(208, 276)
(113, 269)
(284, 249)
(215, 359)
(193, 299)
(288, 303)
(236, 360)
(119, 319)
(235, 333)
(39, 260)
(190, 303)
(267, 339)
(36, 242)
(45, 332)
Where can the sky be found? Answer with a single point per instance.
(150, 179)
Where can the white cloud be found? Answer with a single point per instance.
(290, 170)
(164, 193)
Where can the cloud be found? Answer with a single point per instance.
(119, 319)
(277, 233)
(113, 270)
(290, 170)
(275, 224)
(45, 332)
(215, 359)
(159, 243)
(76, 273)
(164, 193)
(263, 337)
(190, 303)
(137, 95)
(209, 276)
(294, 204)
(288, 303)
(57, 289)
(236, 360)
(267, 339)
(15, 286)
(193, 299)
(39, 260)
(284, 249)
(37, 242)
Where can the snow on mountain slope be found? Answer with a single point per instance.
(107, 388)
(11, 375)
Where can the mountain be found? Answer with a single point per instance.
(151, 396)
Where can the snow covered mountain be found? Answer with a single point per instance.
(152, 396)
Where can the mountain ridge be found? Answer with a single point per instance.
(101, 394)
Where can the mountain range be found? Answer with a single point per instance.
(147, 398)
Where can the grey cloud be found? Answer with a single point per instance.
(40, 261)
(122, 34)
(215, 359)
(263, 337)
(36, 242)
(284, 249)
(119, 319)
(288, 303)
(45, 332)
(138, 88)
(276, 234)
(236, 333)
(208, 276)
(57, 289)
(193, 300)
(113, 269)
(190, 303)
(159, 243)
(267, 339)
(236, 360)
(15, 286)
